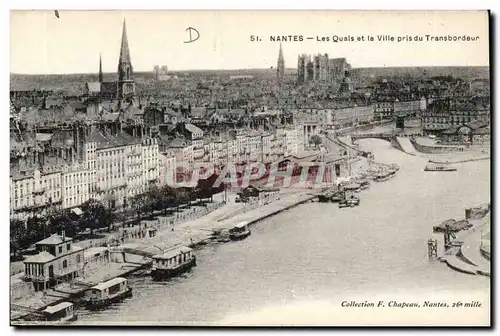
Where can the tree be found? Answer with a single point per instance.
(108, 218)
(92, 212)
(139, 204)
(315, 140)
(17, 234)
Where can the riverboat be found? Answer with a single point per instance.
(351, 199)
(355, 187)
(439, 168)
(364, 184)
(172, 262)
(239, 231)
(337, 197)
(381, 177)
(324, 198)
(107, 292)
(62, 312)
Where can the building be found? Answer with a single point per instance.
(77, 185)
(124, 87)
(57, 261)
(126, 83)
(443, 114)
(280, 72)
(321, 68)
(383, 110)
(167, 167)
(472, 133)
(124, 166)
(161, 73)
(34, 191)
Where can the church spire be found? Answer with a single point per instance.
(100, 69)
(281, 64)
(124, 51)
(126, 84)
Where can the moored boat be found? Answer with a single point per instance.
(364, 184)
(172, 262)
(239, 231)
(107, 292)
(439, 168)
(337, 197)
(62, 312)
(381, 177)
(355, 187)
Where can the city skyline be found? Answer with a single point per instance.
(73, 50)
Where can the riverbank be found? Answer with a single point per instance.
(466, 254)
(136, 254)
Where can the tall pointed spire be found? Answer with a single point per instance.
(100, 69)
(124, 51)
(281, 65)
(126, 84)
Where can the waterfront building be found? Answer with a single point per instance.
(34, 191)
(473, 133)
(77, 184)
(167, 167)
(124, 166)
(57, 260)
(383, 110)
(442, 114)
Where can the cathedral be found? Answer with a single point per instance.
(124, 88)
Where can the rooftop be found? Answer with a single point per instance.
(173, 252)
(104, 285)
(54, 239)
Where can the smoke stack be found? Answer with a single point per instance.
(63, 234)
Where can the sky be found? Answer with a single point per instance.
(41, 43)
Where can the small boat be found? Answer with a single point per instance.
(337, 197)
(364, 184)
(107, 292)
(381, 177)
(343, 204)
(356, 187)
(62, 312)
(323, 198)
(172, 262)
(439, 168)
(239, 231)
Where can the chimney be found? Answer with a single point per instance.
(63, 234)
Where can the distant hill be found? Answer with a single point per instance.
(74, 82)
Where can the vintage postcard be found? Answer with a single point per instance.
(250, 168)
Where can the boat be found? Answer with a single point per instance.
(351, 199)
(325, 197)
(364, 184)
(62, 312)
(107, 292)
(356, 187)
(381, 177)
(239, 231)
(337, 197)
(172, 262)
(439, 168)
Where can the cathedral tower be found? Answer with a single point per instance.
(126, 84)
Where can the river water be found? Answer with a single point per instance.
(299, 266)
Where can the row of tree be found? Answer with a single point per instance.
(95, 215)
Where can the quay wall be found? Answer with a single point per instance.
(436, 149)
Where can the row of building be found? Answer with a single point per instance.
(113, 166)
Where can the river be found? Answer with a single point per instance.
(298, 266)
